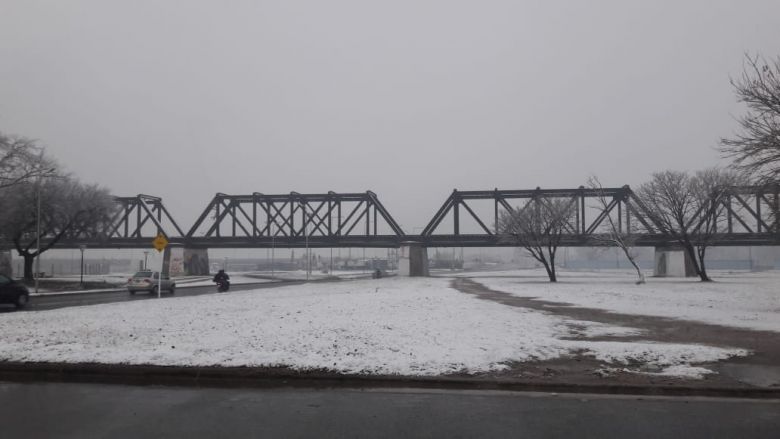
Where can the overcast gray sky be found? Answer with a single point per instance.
(182, 99)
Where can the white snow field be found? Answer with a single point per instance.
(742, 299)
(406, 326)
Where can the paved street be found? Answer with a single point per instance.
(40, 303)
(93, 411)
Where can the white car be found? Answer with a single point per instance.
(148, 281)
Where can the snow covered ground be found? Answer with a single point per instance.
(417, 326)
(114, 278)
(301, 274)
(741, 299)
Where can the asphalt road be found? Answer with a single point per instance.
(39, 303)
(68, 410)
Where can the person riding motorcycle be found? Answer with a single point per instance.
(222, 280)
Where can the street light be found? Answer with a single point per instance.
(146, 254)
(38, 227)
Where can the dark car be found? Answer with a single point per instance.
(13, 292)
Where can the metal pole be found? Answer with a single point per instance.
(159, 277)
(270, 230)
(82, 265)
(306, 234)
(38, 237)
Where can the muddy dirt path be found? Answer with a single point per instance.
(762, 368)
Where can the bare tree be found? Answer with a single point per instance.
(614, 236)
(756, 148)
(21, 160)
(689, 208)
(539, 227)
(68, 209)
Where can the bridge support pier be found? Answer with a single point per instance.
(763, 258)
(183, 261)
(672, 262)
(412, 259)
(5, 263)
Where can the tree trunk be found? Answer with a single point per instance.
(29, 261)
(702, 269)
(699, 268)
(553, 276)
(550, 270)
(636, 267)
(703, 275)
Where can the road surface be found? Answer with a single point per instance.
(40, 303)
(68, 410)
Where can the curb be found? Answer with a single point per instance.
(181, 286)
(123, 288)
(252, 377)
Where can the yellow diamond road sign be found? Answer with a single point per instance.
(160, 242)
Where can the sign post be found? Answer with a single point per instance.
(160, 242)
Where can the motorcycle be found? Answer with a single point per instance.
(223, 285)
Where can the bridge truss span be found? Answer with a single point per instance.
(745, 216)
(294, 220)
(135, 222)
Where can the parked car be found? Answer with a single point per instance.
(13, 292)
(148, 281)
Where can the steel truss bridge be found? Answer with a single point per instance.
(749, 216)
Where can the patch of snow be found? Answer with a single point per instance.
(660, 355)
(578, 328)
(683, 370)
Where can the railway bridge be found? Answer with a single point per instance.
(747, 216)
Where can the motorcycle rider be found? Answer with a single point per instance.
(222, 280)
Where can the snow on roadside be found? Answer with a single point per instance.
(405, 326)
(578, 328)
(235, 279)
(743, 300)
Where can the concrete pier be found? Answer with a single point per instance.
(672, 262)
(412, 259)
(183, 261)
